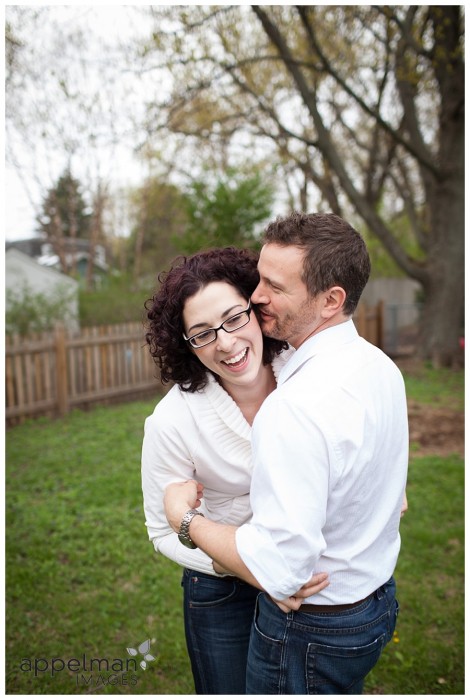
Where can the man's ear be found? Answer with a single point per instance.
(333, 301)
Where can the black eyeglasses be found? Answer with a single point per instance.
(229, 326)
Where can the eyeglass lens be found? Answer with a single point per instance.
(231, 324)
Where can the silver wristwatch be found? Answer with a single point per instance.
(183, 534)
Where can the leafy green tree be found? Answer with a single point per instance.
(65, 215)
(65, 203)
(226, 212)
(158, 219)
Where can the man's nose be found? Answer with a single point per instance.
(259, 296)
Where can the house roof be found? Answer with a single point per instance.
(75, 249)
(28, 246)
(18, 263)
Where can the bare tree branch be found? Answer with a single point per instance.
(325, 144)
(420, 153)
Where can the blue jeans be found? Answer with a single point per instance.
(304, 653)
(218, 614)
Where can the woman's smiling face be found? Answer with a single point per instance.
(237, 356)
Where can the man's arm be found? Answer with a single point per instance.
(215, 539)
(218, 541)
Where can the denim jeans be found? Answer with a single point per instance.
(218, 613)
(318, 653)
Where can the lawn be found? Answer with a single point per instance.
(84, 586)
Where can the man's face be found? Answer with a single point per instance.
(286, 310)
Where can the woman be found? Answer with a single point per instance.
(204, 336)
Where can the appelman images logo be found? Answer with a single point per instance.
(110, 672)
(143, 649)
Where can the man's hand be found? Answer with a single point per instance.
(404, 506)
(179, 498)
(219, 569)
(316, 584)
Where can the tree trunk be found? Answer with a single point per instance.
(57, 241)
(139, 244)
(442, 321)
(96, 233)
(443, 313)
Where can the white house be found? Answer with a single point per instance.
(23, 273)
(76, 255)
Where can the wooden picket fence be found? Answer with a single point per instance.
(50, 374)
(369, 321)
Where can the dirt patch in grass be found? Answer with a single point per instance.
(435, 431)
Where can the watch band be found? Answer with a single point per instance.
(183, 534)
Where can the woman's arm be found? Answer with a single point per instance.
(166, 459)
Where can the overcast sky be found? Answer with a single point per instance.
(110, 24)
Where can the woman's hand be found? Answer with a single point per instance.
(179, 498)
(316, 584)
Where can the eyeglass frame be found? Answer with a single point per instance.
(246, 311)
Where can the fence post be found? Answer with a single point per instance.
(361, 320)
(61, 370)
(380, 324)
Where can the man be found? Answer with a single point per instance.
(330, 453)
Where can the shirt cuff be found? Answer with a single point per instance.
(261, 556)
(195, 559)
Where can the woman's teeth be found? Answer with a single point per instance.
(238, 358)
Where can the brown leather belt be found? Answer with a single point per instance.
(309, 608)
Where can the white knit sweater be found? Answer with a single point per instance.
(202, 436)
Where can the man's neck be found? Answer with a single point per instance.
(329, 323)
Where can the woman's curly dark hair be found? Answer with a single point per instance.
(186, 277)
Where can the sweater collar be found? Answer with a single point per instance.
(227, 408)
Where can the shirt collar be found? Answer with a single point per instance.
(321, 342)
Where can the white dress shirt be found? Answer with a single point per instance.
(330, 449)
(204, 436)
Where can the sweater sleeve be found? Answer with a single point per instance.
(166, 458)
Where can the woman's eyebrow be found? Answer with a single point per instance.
(223, 315)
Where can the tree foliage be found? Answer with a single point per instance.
(118, 300)
(65, 207)
(158, 220)
(226, 212)
(65, 217)
(28, 311)
(363, 102)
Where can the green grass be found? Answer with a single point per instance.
(438, 387)
(81, 574)
(82, 578)
(427, 653)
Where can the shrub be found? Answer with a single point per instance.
(28, 311)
